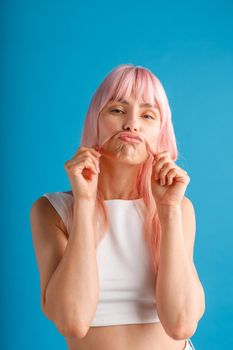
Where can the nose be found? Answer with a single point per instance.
(131, 124)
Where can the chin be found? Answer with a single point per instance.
(132, 156)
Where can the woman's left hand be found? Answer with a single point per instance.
(168, 180)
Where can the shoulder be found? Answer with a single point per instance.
(41, 205)
(43, 210)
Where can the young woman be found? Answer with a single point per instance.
(115, 254)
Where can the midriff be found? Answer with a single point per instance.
(147, 336)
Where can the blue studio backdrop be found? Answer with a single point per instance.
(54, 54)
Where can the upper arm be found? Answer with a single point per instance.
(49, 239)
(189, 229)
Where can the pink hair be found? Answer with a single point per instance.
(119, 83)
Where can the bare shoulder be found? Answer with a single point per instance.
(49, 241)
(43, 210)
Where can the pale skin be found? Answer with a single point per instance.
(178, 286)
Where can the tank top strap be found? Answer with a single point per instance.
(62, 202)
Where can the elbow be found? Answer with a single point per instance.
(73, 331)
(185, 326)
(181, 332)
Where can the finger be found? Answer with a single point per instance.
(88, 164)
(170, 175)
(94, 152)
(82, 159)
(94, 162)
(174, 173)
(163, 172)
(178, 167)
(163, 163)
(83, 149)
(97, 150)
(164, 154)
(86, 154)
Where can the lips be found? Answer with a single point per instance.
(130, 135)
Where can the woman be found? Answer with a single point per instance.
(115, 253)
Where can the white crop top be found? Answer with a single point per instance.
(126, 280)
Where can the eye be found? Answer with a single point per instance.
(116, 109)
(148, 115)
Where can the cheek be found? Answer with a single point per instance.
(152, 139)
(106, 130)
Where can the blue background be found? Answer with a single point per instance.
(54, 54)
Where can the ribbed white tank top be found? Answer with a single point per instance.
(126, 280)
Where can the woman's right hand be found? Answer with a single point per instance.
(83, 170)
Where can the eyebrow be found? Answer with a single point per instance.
(141, 105)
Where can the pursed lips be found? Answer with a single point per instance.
(128, 136)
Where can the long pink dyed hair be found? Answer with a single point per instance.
(118, 84)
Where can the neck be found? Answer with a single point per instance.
(117, 180)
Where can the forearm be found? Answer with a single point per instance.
(72, 293)
(179, 293)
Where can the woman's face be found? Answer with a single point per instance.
(128, 116)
